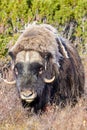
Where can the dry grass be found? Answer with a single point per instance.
(14, 117)
(65, 119)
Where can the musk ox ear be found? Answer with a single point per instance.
(62, 47)
(13, 59)
(11, 55)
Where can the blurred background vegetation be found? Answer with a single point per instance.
(68, 16)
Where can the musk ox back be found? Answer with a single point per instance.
(47, 68)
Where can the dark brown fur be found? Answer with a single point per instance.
(60, 58)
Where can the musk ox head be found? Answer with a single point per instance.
(47, 69)
(32, 74)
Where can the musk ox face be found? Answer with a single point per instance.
(31, 73)
(47, 68)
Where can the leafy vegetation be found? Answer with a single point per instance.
(69, 16)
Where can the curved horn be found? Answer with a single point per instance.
(8, 82)
(49, 80)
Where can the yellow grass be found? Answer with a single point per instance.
(61, 119)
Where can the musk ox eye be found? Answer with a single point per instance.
(16, 71)
(36, 68)
(18, 68)
(40, 70)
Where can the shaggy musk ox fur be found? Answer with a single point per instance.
(47, 68)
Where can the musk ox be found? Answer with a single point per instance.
(47, 68)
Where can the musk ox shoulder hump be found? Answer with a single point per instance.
(43, 37)
(37, 37)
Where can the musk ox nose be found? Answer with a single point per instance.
(28, 96)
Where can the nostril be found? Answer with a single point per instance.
(27, 94)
